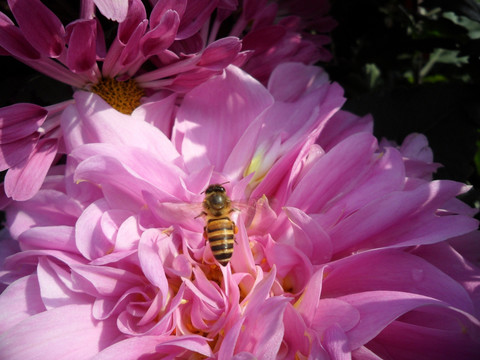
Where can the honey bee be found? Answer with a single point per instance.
(219, 230)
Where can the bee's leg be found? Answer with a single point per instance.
(205, 233)
(203, 213)
(235, 231)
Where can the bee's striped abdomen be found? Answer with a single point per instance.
(220, 233)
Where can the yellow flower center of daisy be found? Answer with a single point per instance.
(123, 96)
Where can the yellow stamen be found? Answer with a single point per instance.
(123, 96)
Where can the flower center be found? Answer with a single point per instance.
(123, 96)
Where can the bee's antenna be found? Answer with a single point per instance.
(203, 192)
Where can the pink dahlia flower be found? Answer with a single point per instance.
(174, 48)
(345, 249)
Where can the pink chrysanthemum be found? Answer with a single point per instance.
(350, 251)
(174, 48)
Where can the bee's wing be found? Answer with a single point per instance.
(184, 214)
(247, 210)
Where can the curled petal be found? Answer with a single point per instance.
(152, 266)
(90, 238)
(162, 36)
(56, 286)
(310, 237)
(336, 343)
(220, 53)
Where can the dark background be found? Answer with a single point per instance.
(414, 67)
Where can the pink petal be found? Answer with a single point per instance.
(134, 178)
(158, 111)
(297, 338)
(17, 152)
(162, 36)
(44, 30)
(162, 7)
(415, 146)
(151, 263)
(364, 353)
(90, 239)
(342, 125)
(379, 308)
(24, 180)
(261, 291)
(128, 235)
(105, 307)
(336, 343)
(115, 10)
(221, 53)
(393, 270)
(67, 332)
(82, 46)
(301, 92)
(243, 151)
(49, 237)
(91, 120)
(63, 210)
(150, 317)
(289, 81)
(228, 344)
(293, 267)
(310, 236)
(351, 155)
(56, 287)
(20, 301)
(20, 120)
(14, 42)
(128, 35)
(217, 107)
(131, 53)
(331, 312)
(242, 258)
(380, 180)
(404, 218)
(104, 281)
(263, 341)
(413, 341)
(195, 16)
(264, 218)
(457, 266)
(167, 347)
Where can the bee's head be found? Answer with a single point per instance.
(216, 197)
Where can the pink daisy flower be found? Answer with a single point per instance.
(174, 48)
(350, 251)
